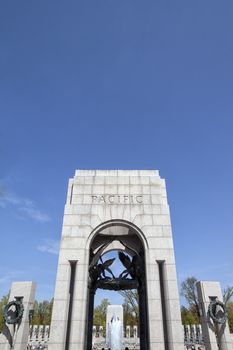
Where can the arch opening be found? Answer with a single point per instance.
(131, 275)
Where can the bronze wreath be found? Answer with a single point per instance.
(19, 309)
(212, 311)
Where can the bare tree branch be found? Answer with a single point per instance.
(189, 291)
(227, 294)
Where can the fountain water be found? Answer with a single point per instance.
(115, 334)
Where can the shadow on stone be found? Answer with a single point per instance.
(6, 332)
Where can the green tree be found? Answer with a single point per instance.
(227, 295)
(42, 312)
(230, 315)
(100, 312)
(188, 315)
(3, 302)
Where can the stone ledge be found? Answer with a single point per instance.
(116, 172)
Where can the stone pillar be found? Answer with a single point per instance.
(143, 326)
(30, 334)
(127, 335)
(198, 333)
(46, 334)
(101, 331)
(186, 333)
(208, 291)
(93, 332)
(90, 318)
(135, 331)
(18, 334)
(192, 333)
(35, 333)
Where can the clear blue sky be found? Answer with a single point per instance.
(115, 84)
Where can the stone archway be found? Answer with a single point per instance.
(123, 237)
(130, 206)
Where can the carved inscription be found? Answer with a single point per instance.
(117, 199)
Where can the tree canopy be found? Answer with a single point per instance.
(130, 307)
(100, 312)
(189, 292)
(42, 312)
(3, 302)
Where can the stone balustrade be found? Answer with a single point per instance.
(39, 336)
(193, 334)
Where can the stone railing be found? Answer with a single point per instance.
(193, 336)
(129, 332)
(39, 336)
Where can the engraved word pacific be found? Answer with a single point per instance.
(117, 199)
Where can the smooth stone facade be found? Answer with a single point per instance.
(137, 200)
(26, 291)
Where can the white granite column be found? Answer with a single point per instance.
(208, 291)
(172, 305)
(60, 307)
(24, 291)
(155, 318)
